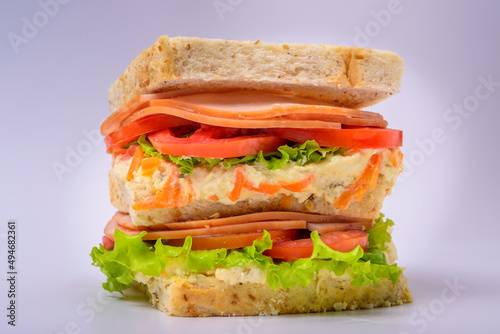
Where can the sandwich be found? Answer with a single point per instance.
(249, 181)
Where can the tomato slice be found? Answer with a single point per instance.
(219, 142)
(351, 137)
(231, 241)
(133, 131)
(215, 142)
(340, 241)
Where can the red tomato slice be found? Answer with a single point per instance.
(133, 131)
(340, 241)
(214, 142)
(231, 241)
(351, 138)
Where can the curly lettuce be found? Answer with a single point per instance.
(131, 255)
(301, 154)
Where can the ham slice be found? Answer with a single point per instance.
(255, 222)
(219, 230)
(263, 216)
(241, 109)
(124, 220)
(277, 122)
(323, 228)
(116, 118)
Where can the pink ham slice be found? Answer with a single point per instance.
(219, 230)
(237, 108)
(124, 220)
(255, 222)
(323, 228)
(277, 122)
(263, 216)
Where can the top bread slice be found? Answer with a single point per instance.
(349, 77)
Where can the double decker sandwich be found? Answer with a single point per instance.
(248, 181)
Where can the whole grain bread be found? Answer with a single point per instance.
(344, 76)
(206, 295)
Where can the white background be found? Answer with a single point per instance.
(53, 89)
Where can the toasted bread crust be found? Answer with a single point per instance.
(344, 76)
(205, 296)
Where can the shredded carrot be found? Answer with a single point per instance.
(167, 196)
(298, 186)
(147, 204)
(361, 193)
(397, 159)
(213, 197)
(266, 188)
(286, 201)
(149, 165)
(387, 191)
(171, 196)
(135, 163)
(185, 195)
(368, 178)
(239, 178)
(375, 172)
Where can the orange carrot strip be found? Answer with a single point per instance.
(375, 172)
(266, 188)
(135, 163)
(147, 204)
(213, 197)
(298, 186)
(167, 196)
(238, 184)
(396, 158)
(149, 165)
(361, 193)
(184, 196)
(364, 180)
(171, 196)
(286, 201)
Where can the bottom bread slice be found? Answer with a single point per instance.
(206, 295)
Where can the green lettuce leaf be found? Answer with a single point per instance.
(378, 235)
(367, 273)
(131, 255)
(148, 149)
(308, 152)
(251, 254)
(374, 255)
(373, 264)
(301, 272)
